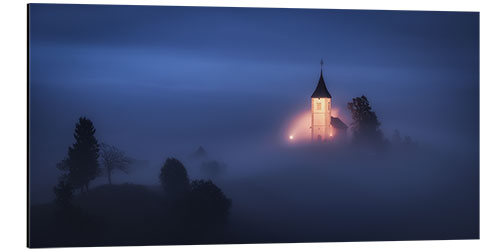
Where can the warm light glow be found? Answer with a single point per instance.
(335, 112)
(299, 129)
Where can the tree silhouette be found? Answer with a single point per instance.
(82, 161)
(64, 194)
(174, 178)
(403, 143)
(114, 159)
(207, 203)
(396, 138)
(365, 126)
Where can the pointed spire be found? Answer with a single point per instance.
(321, 90)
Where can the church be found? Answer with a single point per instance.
(324, 127)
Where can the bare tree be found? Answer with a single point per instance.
(114, 159)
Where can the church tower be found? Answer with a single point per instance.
(321, 105)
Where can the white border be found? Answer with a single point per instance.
(13, 117)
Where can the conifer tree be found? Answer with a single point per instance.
(82, 162)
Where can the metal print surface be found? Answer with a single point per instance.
(156, 125)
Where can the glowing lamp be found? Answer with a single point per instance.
(291, 137)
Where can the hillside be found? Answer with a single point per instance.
(126, 214)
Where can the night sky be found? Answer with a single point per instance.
(160, 81)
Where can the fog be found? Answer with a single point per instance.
(159, 82)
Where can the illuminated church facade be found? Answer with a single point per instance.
(324, 127)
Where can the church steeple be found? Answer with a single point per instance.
(321, 90)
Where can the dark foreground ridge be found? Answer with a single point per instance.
(119, 215)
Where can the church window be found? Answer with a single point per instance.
(318, 106)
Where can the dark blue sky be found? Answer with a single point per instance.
(161, 80)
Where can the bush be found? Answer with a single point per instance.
(174, 178)
(207, 203)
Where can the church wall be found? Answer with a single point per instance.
(321, 116)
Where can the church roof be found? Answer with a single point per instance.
(321, 91)
(337, 123)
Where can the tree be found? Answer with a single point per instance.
(114, 159)
(82, 162)
(174, 178)
(198, 209)
(396, 138)
(64, 194)
(365, 126)
(207, 203)
(405, 143)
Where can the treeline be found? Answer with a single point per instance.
(191, 208)
(85, 157)
(366, 132)
(200, 203)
